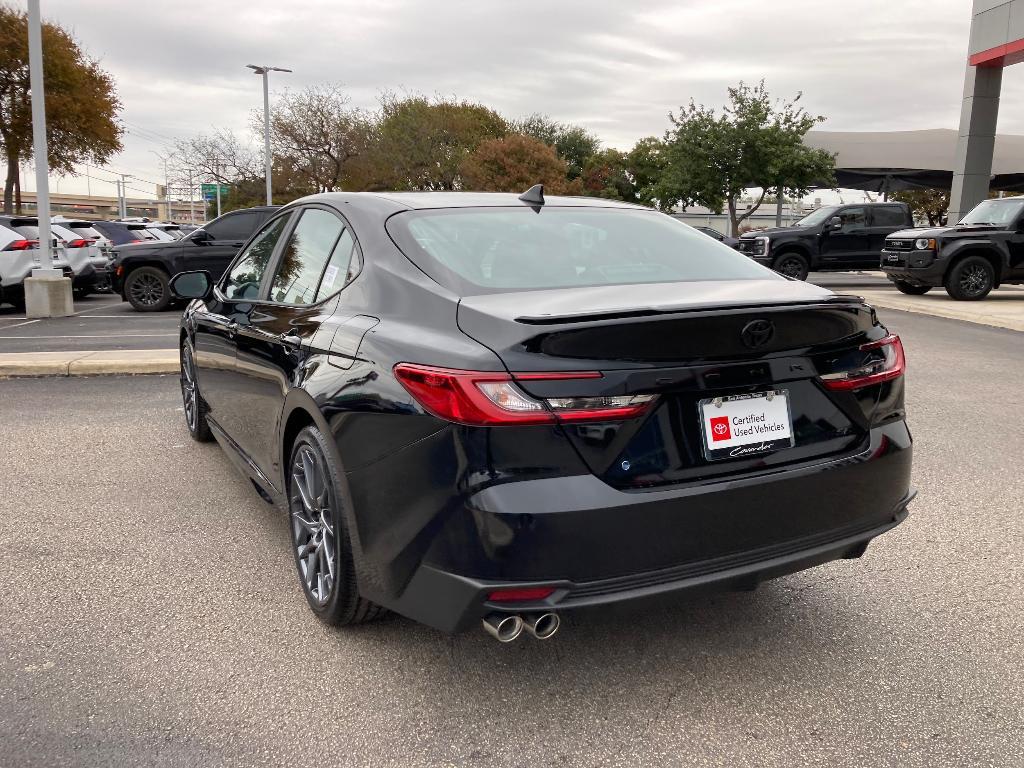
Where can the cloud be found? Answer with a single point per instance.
(615, 67)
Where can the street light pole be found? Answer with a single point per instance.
(265, 71)
(35, 76)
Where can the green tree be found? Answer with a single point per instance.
(930, 204)
(81, 103)
(574, 144)
(645, 165)
(514, 164)
(712, 158)
(421, 143)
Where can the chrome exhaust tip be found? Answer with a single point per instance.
(542, 625)
(503, 627)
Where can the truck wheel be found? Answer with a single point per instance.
(793, 265)
(146, 289)
(971, 279)
(911, 290)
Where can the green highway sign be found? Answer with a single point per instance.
(209, 191)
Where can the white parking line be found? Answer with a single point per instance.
(112, 336)
(18, 325)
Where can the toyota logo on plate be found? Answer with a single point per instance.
(721, 429)
(757, 333)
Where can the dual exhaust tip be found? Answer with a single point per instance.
(506, 627)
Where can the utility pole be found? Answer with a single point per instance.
(122, 202)
(265, 71)
(216, 180)
(191, 202)
(47, 291)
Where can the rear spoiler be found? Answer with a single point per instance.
(617, 314)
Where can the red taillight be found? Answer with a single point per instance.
(484, 398)
(522, 594)
(22, 245)
(80, 243)
(890, 365)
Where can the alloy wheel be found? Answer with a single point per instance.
(146, 290)
(791, 267)
(313, 524)
(974, 280)
(189, 396)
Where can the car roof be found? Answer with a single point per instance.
(427, 200)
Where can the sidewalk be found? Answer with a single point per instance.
(1003, 308)
(86, 363)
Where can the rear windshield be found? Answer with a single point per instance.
(497, 250)
(27, 231)
(142, 233)
(85, 231)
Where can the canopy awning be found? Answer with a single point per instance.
(894, 160)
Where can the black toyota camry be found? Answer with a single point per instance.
(498, 408)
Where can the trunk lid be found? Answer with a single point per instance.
(685, 342)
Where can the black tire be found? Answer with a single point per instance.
(192, 401)
(146, 289)
(792, 264)
(911, 290)
(319, 533)
(971, 279)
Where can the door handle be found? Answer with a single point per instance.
(291, 339)
(232, 328)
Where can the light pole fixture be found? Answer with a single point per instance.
(265, 71)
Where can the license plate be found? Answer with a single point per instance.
(746, 425)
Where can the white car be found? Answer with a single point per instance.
(102, 261)
(19, 255)
(88, 262)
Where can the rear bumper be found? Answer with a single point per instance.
(453, 603)
(596, 544)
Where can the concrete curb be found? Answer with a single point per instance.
(125, 361)
(1002, 310)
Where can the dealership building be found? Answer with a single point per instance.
(997, 41)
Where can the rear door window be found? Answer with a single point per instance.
(305, 257)
(233, 226)
(888, 216)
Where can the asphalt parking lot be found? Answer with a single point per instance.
(104, 322)
(152, 615)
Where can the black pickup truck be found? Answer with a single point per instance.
(141, 271)
(984, 251)
(833, 237)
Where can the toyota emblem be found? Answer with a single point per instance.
(757, 333)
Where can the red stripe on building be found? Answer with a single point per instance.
(1000, 56)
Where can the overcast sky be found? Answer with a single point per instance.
(615, 67)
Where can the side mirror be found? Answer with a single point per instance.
(200, 236)
(191, 285)
(835, 223)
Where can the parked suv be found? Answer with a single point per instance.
(19, 255)
(984, 251)
(833, 237)
(141, 272)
